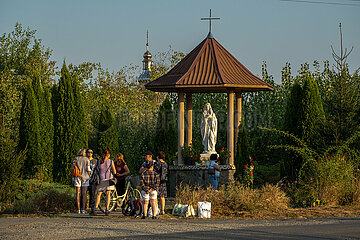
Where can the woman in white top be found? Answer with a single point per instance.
(81, 183)
(214, 171)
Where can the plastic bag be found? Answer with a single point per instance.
(204, 209)
(150, 213)
(188, 211)
(178, 209)
(183, 210)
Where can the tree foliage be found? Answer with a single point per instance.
(29, 130)
(242, 150)
(70, 131)
(165, 138)
(107, 131)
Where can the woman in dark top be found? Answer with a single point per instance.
(160, 166)
(121, 171)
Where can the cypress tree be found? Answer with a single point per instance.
(29, 130)
(166, 133)
(290, 162)
(242, 150)
(69, 136)
(292, 121)
(313, 116)
(107, 130)
(46, 131)
(79, 120)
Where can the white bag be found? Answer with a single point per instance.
(183, 210)
(178, 209)
(204, 209)
(188, 211)
(150, 213)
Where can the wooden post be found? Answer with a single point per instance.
(189, 118)
(238, 115)
(230, 132)
(181, 125)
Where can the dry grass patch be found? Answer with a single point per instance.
(234, 199)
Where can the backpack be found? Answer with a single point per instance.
(75, 172)
(95, 176)
(133, 207)
(163, 174)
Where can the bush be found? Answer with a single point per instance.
(36, 197)
(234, 198)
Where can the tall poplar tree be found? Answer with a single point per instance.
(290, 162)
(313, 116)
(69, 130)
(29, 130)
(292, 120)
(46, 130)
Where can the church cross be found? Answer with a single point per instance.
(210, 18)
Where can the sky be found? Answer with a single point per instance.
(113, 32)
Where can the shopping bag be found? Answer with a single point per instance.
(188, 211)
(150, 213)
(204, 209)
(178, 209)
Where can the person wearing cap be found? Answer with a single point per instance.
(149, 183)
(148, 156)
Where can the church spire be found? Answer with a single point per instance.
(147, 63)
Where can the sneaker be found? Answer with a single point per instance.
(78, 212)
(83, 211)
(154, 217)
(143, 217)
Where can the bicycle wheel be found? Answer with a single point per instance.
(113, 201)
(135, 194)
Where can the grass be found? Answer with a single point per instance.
(37, 197)
(233, 199)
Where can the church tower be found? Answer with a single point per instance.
(147, 64)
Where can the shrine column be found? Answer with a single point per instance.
(181, 125)
(238, 115)
(230, 130)
(189, 118)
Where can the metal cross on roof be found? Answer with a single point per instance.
(210, 18)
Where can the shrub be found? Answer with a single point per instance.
(42, 197)
(50, 200)
(234, 198)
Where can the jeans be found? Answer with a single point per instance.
(92, 195)
(214, 180)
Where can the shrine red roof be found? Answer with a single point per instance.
(209, 67)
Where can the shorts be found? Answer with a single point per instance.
(104, 186)
(149, 196)
(80, 183)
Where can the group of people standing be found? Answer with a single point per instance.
(107, 169)
(151, 184)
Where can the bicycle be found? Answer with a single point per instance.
(118, 201)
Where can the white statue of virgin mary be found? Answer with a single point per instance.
(208, 129)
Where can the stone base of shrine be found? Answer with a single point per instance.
(196, 175)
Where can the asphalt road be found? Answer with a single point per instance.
(83, 227)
